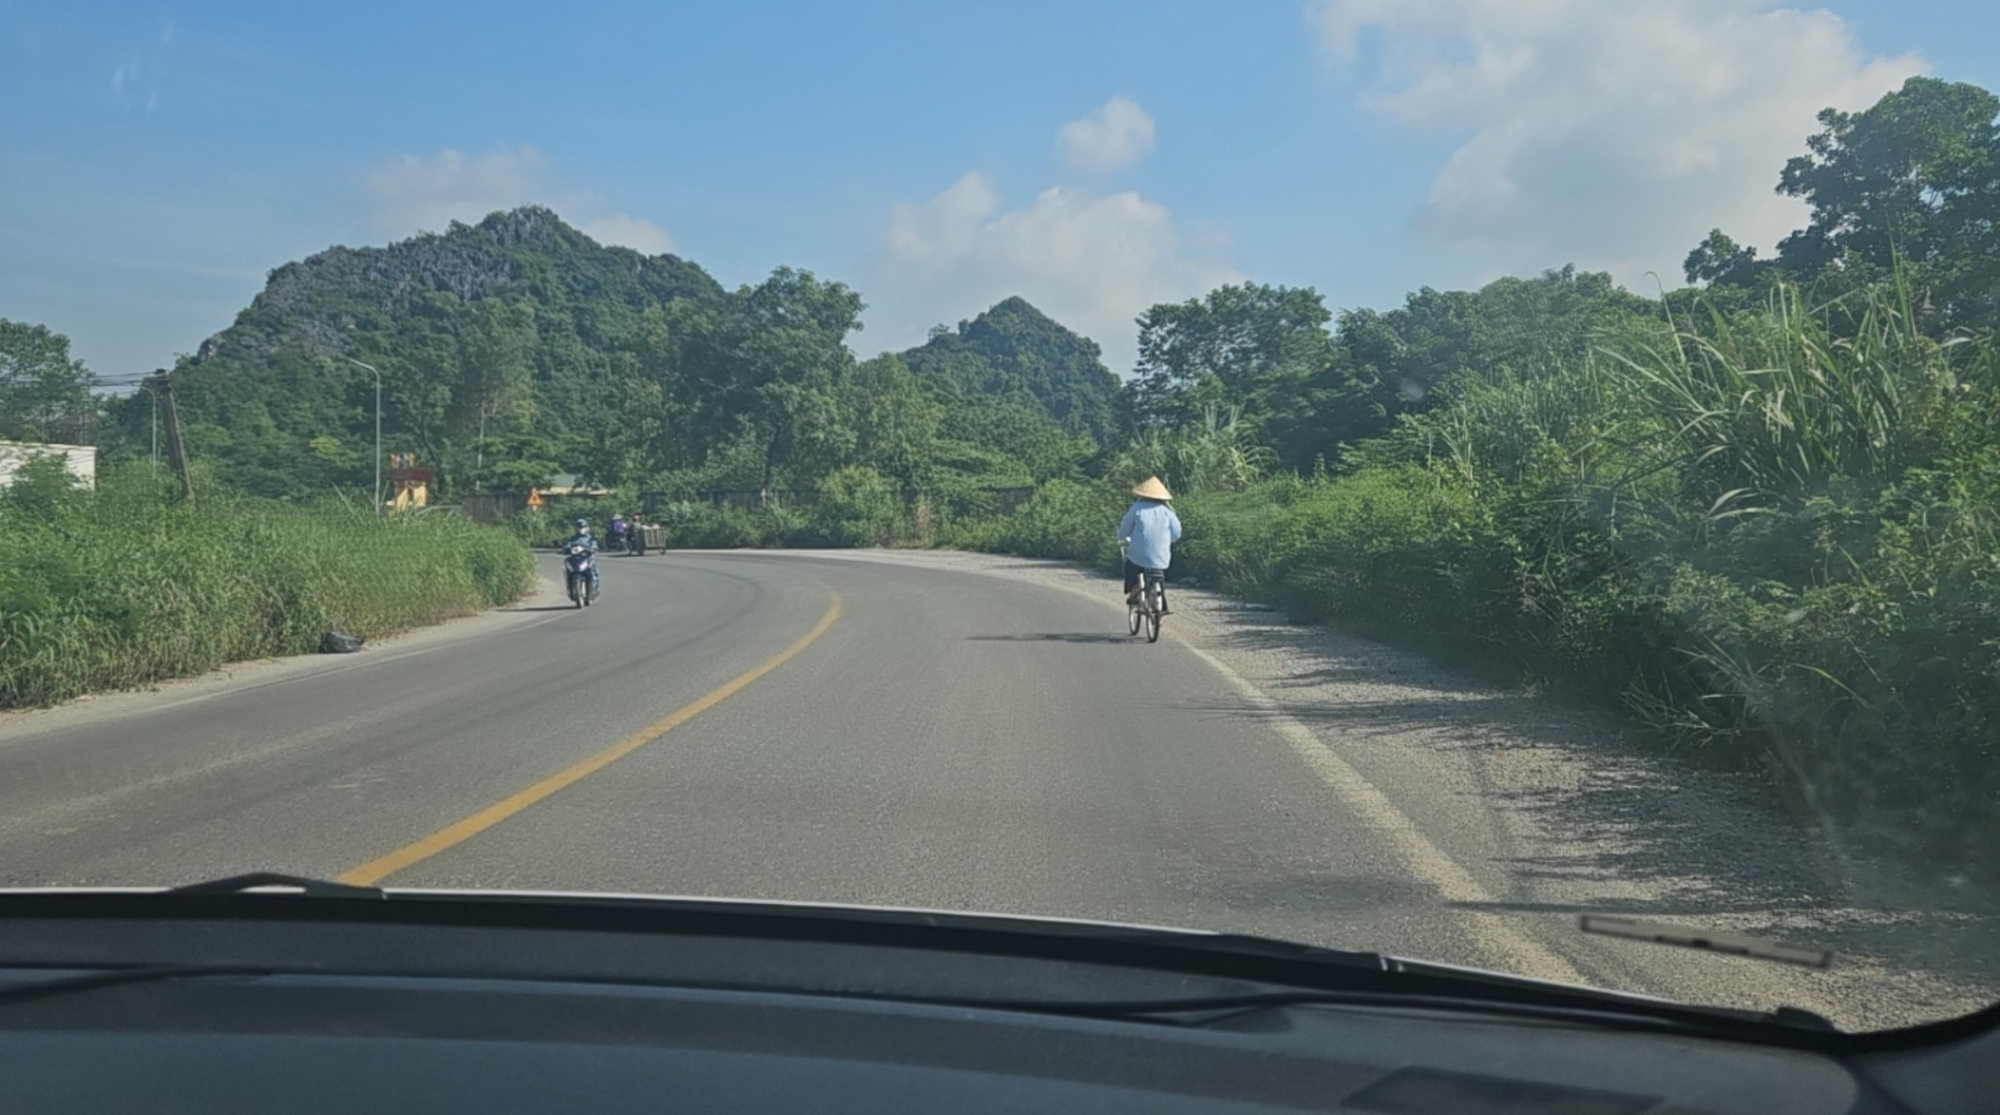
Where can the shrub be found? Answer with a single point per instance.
(117, 588)
(1066, 519)
(859, 507)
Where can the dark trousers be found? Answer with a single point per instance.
(1133, 574)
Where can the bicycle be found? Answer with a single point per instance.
(1145, 612)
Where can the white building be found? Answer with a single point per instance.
(81, 459)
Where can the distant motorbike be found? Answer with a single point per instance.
(579, 564)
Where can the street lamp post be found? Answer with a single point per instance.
(378, 430)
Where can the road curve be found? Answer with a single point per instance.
(785, 726)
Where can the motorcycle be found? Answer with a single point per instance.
(580, 567)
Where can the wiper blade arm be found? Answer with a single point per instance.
(1197, 1011)
(1213, 1009)
(1731, 944)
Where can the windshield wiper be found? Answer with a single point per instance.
(1195, 1012)
(1211, 1010)
(1309, 975)
(304, 884)
(1707, 940)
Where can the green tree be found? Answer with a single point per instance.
(1248, 346)
(496, 351)
(650, 435)
(1411, 359)
(768, 362)
(894, 422)
(1916, 178)
(1016, 353)
(1004, 443)
(44, 393)
(1720, 261)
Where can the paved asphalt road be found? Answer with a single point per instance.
(948, 741)
(836, 730)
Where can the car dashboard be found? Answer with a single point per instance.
(303, 1006)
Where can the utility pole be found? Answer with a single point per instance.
(378, 430)
(175, 443)
(154, 391)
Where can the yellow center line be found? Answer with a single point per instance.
(458, 832)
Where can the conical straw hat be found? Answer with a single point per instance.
(1153, 489)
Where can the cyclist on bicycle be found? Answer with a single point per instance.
(1148, 533)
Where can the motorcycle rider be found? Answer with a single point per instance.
(583, 538)
(620, 533)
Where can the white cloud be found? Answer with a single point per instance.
(141, 71)
(1610, 133)
(412, 193)
(1115, 136)
(1091, 261)
(641, 235)
(945, 228)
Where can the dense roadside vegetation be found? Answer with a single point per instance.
(124, 586)
(1772, 538)
(1757, 516)
(1761, 518)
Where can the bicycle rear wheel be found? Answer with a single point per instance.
(1156, 605)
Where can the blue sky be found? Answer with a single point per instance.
(158, 159)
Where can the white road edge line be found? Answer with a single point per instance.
(1423, 859)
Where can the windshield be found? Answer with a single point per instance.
(1399, 475)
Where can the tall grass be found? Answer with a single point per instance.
(1215, 454)
(1772, 538)
(1780, 405)
(118, 588)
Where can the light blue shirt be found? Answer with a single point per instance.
(1153, 529)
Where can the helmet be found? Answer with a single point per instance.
(617, 517)
(583, 524)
